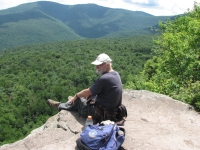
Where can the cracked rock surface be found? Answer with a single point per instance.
(155, 122)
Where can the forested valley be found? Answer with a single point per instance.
(168, 63)
(32, 74)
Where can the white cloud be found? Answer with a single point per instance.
(154, 7)
(175, 6)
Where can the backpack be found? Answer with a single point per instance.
(121, 113)
(101, 137)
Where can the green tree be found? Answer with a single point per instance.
(175, 70)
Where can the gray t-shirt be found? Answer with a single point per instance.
(108, 89)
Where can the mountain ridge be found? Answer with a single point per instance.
(44, 21)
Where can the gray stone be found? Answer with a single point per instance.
(154, 122)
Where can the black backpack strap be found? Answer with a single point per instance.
(123, 110)
(91, 105)
(81, 145)
(90, 108)
(109, 136)
(123, 130)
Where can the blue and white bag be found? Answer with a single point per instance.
(101, 137)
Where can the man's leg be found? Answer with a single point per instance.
(55, 104)
(69, 106)
(80, 105)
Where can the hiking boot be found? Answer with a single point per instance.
(53, 104)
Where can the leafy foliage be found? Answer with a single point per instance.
(175, 68)
(32, 74)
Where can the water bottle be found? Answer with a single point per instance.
(89, 121)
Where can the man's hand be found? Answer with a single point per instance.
(84, 93)
(73, 99)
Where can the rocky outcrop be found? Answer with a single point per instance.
(155, 122)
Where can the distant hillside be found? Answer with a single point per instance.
(41, 22)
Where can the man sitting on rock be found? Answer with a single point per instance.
(106, 93)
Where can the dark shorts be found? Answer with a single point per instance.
(103, 113)
(80, 105)
(98, 112)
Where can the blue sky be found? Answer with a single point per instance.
(154, 7)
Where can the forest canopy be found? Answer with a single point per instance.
(34, 73)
